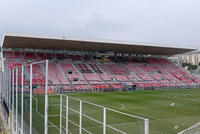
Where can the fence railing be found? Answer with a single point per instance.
(33, 110)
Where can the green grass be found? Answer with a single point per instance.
(169, 111)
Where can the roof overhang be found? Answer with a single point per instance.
(78, 44)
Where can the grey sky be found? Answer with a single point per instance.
(173, 22)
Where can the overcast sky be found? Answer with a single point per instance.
(173, 22)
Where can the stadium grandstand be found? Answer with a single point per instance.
(43, 78)
(85, 64)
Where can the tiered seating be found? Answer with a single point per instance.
(152, 60)
(154, 84)
(167, 83)
(75, 57)
(38, 75)
(42, 56)
(12, 65)
(52, 76)
(99, 87)
(58, 73)
(145, 77)
(95, 68)
(114, 68)
(116, 85)
(93, 78)
(105, 77)
(81, 72)
(82, 87)
(72, 74)
(60, 56)
(12, 55)
(19, 78)
(158, 76)
(134, 68)
(134, 78)
(121, 77)
(146, 68)
(83, 68)
(41, 90)
(86, 58)
(49, 56)
(29, 56)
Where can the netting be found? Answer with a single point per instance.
(169, 111)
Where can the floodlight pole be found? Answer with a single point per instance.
(31, 72)
(16, 100)
(22, 101)
(46, 100)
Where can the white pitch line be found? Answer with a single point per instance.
(190, 128)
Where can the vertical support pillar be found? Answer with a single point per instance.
(61, 114)
(16, 90)
(146, 126)
(22, 101)
(31, 95)
(67, 101)
(104, 120)
(46, 100)
(80, 118)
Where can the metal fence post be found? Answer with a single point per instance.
(22, 101)
(13, 101)
(67, 101)
(80, 120)
(10, 90)
(16, 90)
(104, 120)
(146, 126)
(61, 114)
(31, 72)
(46, 100)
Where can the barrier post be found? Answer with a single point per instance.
(13, 101)
(61, 114)
(31, 94)
(46, 100)
(16, 90)
(22, 101)
(104, 120)
(146, 126)
(80, 118)
(67, 114)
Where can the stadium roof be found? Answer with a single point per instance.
(78, 44)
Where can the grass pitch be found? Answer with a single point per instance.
(168, 111)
